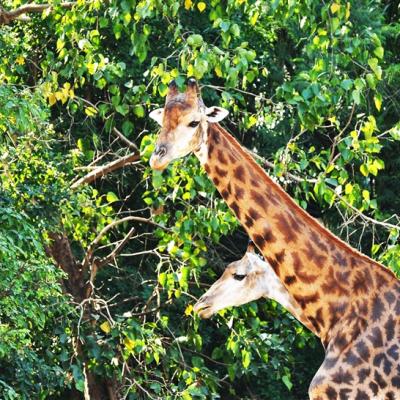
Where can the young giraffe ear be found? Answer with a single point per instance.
(216, 114)
(157, 115)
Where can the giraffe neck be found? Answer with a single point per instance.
(327, 278)
(275, 290)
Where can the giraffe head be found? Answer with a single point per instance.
(245, 280)
(184, 121)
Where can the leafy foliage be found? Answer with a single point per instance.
(311, 86)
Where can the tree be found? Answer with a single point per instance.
(312, 92)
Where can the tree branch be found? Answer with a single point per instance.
(106, 169)
(7, 17)
(89, 254)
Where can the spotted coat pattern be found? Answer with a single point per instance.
(352, 302)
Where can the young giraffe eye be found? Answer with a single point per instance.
(238, 277)
(193, 124)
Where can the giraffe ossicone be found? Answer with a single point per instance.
(351, 301)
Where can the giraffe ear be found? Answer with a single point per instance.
(216, 114)
(157, 115)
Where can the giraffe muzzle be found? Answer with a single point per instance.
(203, 309)
(158, 160)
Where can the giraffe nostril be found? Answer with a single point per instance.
(160, 151)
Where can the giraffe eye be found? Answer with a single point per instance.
(193, 124)
(238, 277)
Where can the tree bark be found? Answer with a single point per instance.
(106, 169)
(76, 285)
(6, 17)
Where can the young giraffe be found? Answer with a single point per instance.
(245, 280)
(352, 301)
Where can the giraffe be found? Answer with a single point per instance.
(352, 301)
(245, 280)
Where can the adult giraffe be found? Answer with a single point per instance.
(352, 301)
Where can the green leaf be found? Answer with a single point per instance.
(378, 101)
(195, 40)
(347, 84)
(246, 358)
(364, 169)
(111, 197)
(286, 380)
(379, 52)
(373, 63)
(123, 109)
(225, 26)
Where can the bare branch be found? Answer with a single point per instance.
(117, 250)
(89, 254)
(7, 17)
(106, 169)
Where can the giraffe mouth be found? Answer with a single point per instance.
(157, 163)
(203, 310)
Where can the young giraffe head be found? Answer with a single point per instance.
(184, 122)
(245, 280)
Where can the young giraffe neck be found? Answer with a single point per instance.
(332, 282)
(275, 290)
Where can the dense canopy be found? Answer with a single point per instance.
(102, 259)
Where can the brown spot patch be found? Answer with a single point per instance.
(221, 172)
(215, 136)
(259, 240)
(225, 194)
(274, 264)
(342, 376)
(306, 299)
(210, 149)
(363, 374)
(284, 227)
(362, 282)
(259, 199)
(377, 309)
(280, 256)
(317, 240)
(333, 283)
(340, 259)
(313, 254)
(254, 214)
(236, 209)
(239, 193)
(232, 158)
(249, 222)
(298, 268)
(221, 157)
(376, 337)
(268, 235)
(239, 173)
(290, 279)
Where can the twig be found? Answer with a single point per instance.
(365, 217)
(117, 249)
